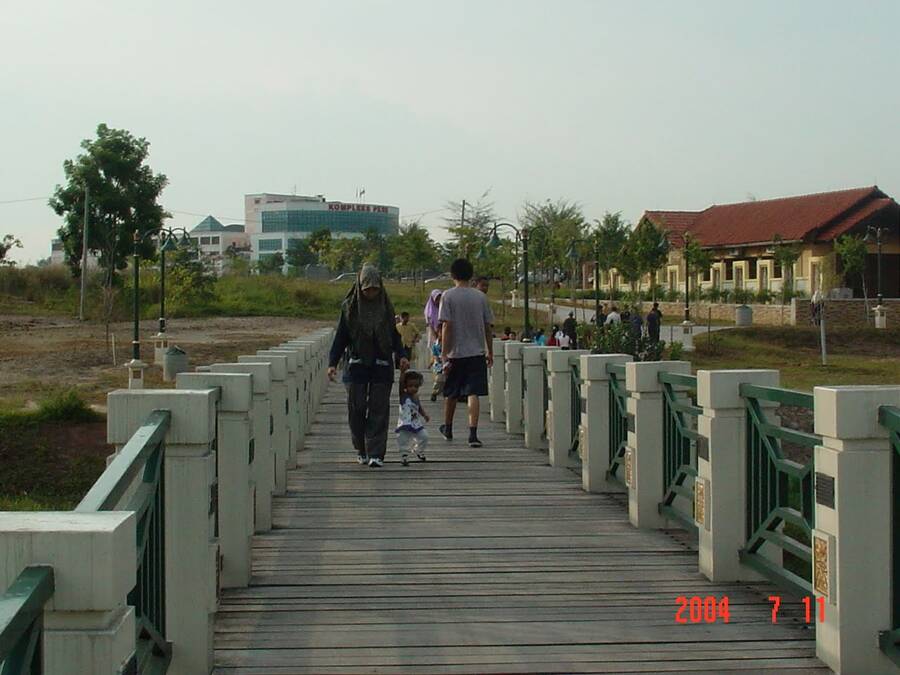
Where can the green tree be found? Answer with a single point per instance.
(697, 258)
(270, 264)
(650, 248)
(124, 193)
(609, 237)
(852, 251)
(319, 243)
(189, 280)
(300, 253)
(413, 250)
(469, 228)
(379, 253)
(786, 255)
(8, 243)
(555, 226)
(346, 254)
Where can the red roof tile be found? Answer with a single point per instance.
(819, 217)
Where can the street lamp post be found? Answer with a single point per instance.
(687, 326)
(573, 255)
(876, 232)
(522, 234)
(136, 367)
(166, 237)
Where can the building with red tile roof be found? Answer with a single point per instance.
(741, 237)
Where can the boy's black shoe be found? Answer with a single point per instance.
(433, 398)
(446, 432)
(473, 438)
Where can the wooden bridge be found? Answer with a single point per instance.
(233, 531)
(480, 561)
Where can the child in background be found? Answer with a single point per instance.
(437, 369)
(411, 432)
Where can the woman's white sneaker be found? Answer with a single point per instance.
(362, 459)
(376, 462)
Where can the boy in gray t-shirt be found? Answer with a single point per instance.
(467, 348)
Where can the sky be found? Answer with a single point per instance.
(618, 106)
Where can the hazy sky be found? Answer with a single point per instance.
(616, 105)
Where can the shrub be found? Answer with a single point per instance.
(676, 351)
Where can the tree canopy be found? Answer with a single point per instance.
(123, 194)
(8, 243)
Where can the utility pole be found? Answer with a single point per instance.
(84, 255)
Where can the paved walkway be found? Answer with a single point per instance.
(479, 561)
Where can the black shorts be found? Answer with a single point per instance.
(466, 377)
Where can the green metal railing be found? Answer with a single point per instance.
(680, 439)
(22, 621)
(618, 422)
(546, 392)
(780, 508)
(889, 640)
(115, 490)
(577, 403)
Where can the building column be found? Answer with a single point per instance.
(280, 432)
(720, 490)
(644, 454)
(235, 451)
(88, 625)
(497, 383)
(852, 548)
(534, 412)
(261, 427)
(595, 422)
(191, 509)
(561, 404)
(514, 393)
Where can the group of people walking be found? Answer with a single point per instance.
(371, 342)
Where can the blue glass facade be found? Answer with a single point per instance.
(337, 221)
(270, 244)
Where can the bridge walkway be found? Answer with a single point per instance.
(480, 561)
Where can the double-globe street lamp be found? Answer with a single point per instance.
(523, 234)
(167, 240)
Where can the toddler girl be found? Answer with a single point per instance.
(411, 432)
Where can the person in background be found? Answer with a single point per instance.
(540, 339)
(601, 320)
(367, 333)
(506, 333)
(654, 320)
(512, 335)
(483, 284)
(635, 324)
(411, 434)
(432, 325)
(570, 328)
(552, 341)
(563, 340)
(467, 348)
(437, 370)
(409, 334)
(613, 317)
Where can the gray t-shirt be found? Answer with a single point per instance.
(468, 312)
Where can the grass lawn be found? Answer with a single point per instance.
(855, 356)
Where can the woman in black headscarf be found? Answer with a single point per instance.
(368, 334)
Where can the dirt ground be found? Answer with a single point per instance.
(42, 354)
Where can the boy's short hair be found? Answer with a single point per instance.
(404, 315)
(461, 270)
(410, 376)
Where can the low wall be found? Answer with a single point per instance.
(849, 313)
(766, 315)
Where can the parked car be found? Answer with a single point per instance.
(438, 278)
(345, 276)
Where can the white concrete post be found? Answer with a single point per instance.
(160, 345)
(721, 484)
(236, 452)
(317, 369)
(852, 557)
(303, 409)
(497, 383)
(292, 384)
(192, 554)
(281, 436)
(645, 439)
(880, 317)
(262, 425)
(513, 392)
(595, 453)
(559, 416)
(88, 626)
(534, 414)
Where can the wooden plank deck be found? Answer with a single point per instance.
(479, 561)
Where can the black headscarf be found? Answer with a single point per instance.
(370, 322)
